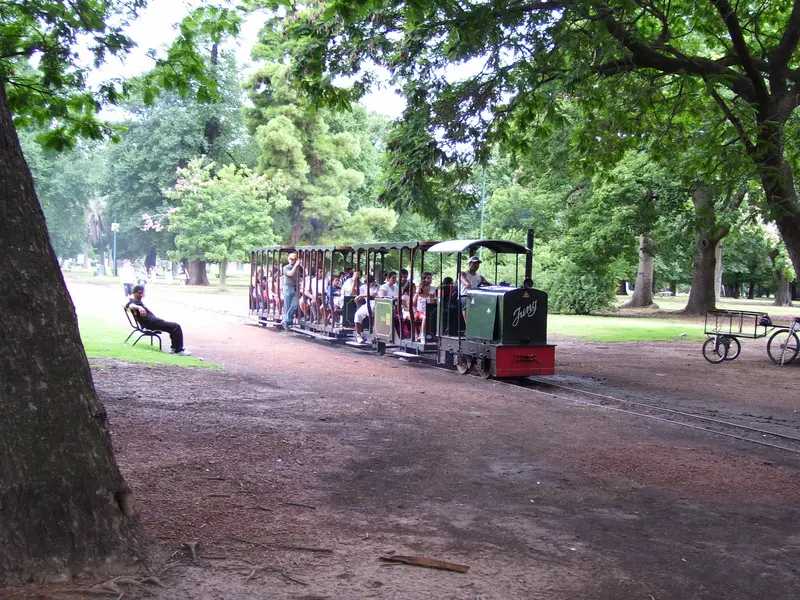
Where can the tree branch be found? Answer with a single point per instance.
(740, 45)
(645, 56)
(732, 118)
(791, 35)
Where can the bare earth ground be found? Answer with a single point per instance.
(301, 464)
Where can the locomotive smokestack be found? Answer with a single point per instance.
(529, 255)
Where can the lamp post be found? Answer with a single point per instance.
(114, 229)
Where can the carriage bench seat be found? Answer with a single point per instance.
(137, 327)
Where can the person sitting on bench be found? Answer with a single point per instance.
(148, 320)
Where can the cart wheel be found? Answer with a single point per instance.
(714, 351)
(484, 367)
(463, 364)
(783, 347)
(381, 348)
(734, 347)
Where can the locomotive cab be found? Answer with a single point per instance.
(501, 330)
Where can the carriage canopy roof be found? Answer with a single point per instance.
(387, 246)
(499, 246)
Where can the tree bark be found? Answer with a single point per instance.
(64, 506)
(783, 295)
(673, 288)
(643, 292)
(197, 273)
(223, 274)
(702, 295)
(718, 271)
(751, 290)
(622, 290)
(777, 180)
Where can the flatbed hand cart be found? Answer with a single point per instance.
(725, 327)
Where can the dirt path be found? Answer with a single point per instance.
(328, 459)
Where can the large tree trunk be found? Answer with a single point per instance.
(622, 290)
(643, 292)
(783, 295)
(223, 274)
(751, 290)
(197, 273)
(64, 506)
(777, 179)
(718, 271)
(702, 295)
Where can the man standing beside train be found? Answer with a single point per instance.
(292, 273)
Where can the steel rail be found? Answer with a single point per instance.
(669, 410)
(653, 417)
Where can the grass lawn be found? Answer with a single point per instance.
(623, 329)
(236, 284)
(756, 304)
(103, 340)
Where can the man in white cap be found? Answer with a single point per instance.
(292, 273)
(470, 279)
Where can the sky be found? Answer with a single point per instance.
(156, 27)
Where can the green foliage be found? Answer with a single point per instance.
(574, 290)
(53, 96)
(162, 137)
(219, 217)
(65, 183)
(320, 165)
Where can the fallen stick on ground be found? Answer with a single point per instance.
(305, 549)
(290, 578)
(430, 563)
(299, 504)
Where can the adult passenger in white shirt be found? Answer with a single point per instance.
(389, 288)
(364, 310)
(470, 280)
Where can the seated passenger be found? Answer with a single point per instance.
(470, 279)
(352, 284)
(424, 296)
(389, 288)
(408, 291)
(365, 309)
(333, 297)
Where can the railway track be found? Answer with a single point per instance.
(647, 410)
(638, 406)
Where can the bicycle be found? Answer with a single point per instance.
(784, 345)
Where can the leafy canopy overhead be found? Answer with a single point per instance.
(45, 78)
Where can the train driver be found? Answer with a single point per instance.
(470, 279)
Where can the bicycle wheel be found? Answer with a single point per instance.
(714, 351)
(783, 347)
(734, 348)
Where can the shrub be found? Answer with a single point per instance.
(575, 290)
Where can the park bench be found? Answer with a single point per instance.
(137, 327)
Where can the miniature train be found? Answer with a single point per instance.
(500, 330)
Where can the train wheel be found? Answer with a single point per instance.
(484, 367)
(381, 348)
(463, 364)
